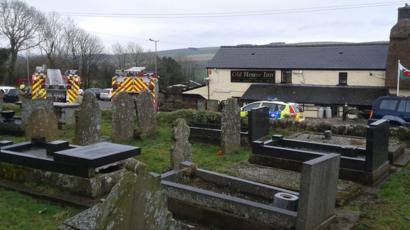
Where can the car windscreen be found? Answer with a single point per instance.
(388, 105)
(13, 92)
(106, 91)
(271, 106)
(250, 106)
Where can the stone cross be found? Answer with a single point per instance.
(231, 126)
(123, 117)
(181, 148)
(145, 115)
(88, 120)
(41, 123)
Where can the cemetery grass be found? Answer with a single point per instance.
(18, 211)
(390, 206)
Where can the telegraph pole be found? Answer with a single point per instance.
(156, 54)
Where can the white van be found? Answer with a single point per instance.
(106, 94)
(6, 89)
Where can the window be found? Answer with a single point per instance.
(342, 78)
(286, 76)
(388, 105)
(272, 107)
(251, 106)
(404, 106)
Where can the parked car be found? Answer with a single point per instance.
(106, 94)
(12, 96)
(6, 89)
(277, 110)
(96, 91)
(392, 108)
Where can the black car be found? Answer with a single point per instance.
(394, 109)
(96, 91)
(12, 96)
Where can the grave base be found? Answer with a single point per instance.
(94, 187)
(363, 177)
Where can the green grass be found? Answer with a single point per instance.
(19, 211)
(391, 207)
(387, 211)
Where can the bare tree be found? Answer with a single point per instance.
(135, 53)
(51, 37)
(90, 47)
(120, 54)
(20, 23)
(70, 44)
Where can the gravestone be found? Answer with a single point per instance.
(88, 120)
(28, 105)
(230, 126)
(135, 202)
(258, 123)
(41, 123)
(145, 115)
(318, 187)
(181, 148)
(123, 117)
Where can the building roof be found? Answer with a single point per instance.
(333, 56)
(314, 94)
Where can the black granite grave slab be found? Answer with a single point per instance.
(96, 155)
(70, 159)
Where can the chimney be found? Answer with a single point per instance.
(399, 48)
(404, 12)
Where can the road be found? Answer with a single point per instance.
(105, 105)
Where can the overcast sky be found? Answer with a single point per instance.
(228, 22)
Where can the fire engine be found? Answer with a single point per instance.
(135, 80)
(49, 83)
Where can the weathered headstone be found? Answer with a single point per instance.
(181, 148)
(123, 117)
(145, 115)
(135, 202)
(28, 105)
(230, 126)
(41, 123)
(88, 120)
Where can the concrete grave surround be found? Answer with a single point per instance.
(181, 148)
(368, 165)
(222, 208)
(88, 120)
(41, 123)
(145, 115)
(230, 126)
(123, 117)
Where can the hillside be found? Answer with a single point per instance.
(194, 54)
